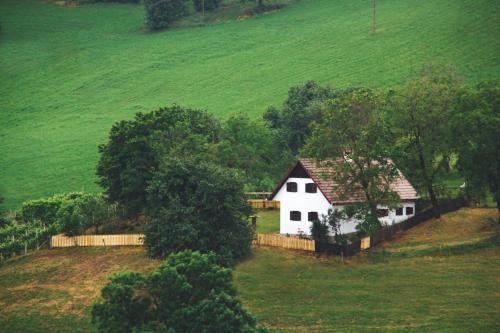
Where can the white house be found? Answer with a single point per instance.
(306, 193)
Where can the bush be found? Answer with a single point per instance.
(95, 211)
(45, 210)
(319, 231)
(70, 219)
(188, 293)
(161, 14)
(209, 4)
(197, 205)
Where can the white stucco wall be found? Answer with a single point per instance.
(316, 202)
(301, 201)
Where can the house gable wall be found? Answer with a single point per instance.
(316, 202)
(302, 202)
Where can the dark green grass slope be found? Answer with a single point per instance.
(67, 74)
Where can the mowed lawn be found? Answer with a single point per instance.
(67, 74)
(448, 288)
(268, 221)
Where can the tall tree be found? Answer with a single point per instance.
(419, 115)
(299, 110)
(197, 205)
(353, 138)
(135, 147)
(476, 128)
(251, 146)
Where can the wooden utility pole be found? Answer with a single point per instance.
(203, 7)
(374, 12)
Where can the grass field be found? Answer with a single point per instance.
(440, 276)
(69, 73)
(268, 221)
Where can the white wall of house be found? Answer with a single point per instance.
(302, 202)
(316, 202)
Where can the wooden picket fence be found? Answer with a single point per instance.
(365, 243)
(264, 204)
(285, 242)
(97, 240)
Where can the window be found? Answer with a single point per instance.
(382, 212)
(311, 188)
(312, 216)
(291, 187)
(399, 211)
(295, 215)
(409, 210)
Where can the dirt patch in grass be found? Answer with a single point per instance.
(66, 280)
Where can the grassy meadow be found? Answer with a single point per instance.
(422, 281)
(69, 73)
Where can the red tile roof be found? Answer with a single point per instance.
(322, 176)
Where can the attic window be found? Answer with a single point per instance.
(295, 215)
(312, 216)
(382, 212)
(291, 187)
(311, 188)
(409, 210)
(399, 211)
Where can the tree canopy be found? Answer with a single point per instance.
(476, 128)
(132, 153)
(189, 292)
(420, 114)
(194, 204)
(353, 138)
(299, 110)
(160, 14)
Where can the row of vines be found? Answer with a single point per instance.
(31, 227)
(19, 238)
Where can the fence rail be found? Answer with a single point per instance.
(264, 204)
(285, 242)
(97, 240)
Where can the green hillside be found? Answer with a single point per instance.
(67, 74)
(441, 276)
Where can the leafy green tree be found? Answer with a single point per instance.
(134, 149)
(476, 128)
(353, 139)
(95, 210)
(70, 218)
(44, 210)
(420, 114)
(194, 204)
(160, 14)
(250, 146)
(319, 231)
(189, 292)
(334, 220)
(299, 110)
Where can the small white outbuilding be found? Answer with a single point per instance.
(306, 193)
